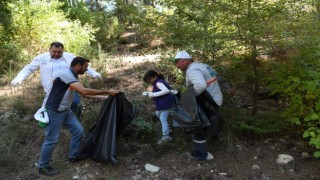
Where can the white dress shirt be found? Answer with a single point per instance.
(48, 68)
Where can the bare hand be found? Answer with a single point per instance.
(113, 92)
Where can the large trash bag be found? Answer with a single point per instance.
(191, 112)
(211, 112)
(186, 112)
(100, 143)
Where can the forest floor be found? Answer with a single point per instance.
(235, 156)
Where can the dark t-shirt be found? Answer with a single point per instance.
(60, 95)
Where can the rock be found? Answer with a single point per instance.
(255, 167)
(239, 147)
(286, 162)
(151, 168)
(267, 140)
(272, 148)
(284, 159)
(305, 155)
(282, 140)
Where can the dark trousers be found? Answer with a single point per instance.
(199, 138)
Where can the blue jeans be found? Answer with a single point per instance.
(52, 132)
(163, 116)
(75, 104)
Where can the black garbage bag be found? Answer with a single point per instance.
(211, 112)
(100, 142)
(187, 113)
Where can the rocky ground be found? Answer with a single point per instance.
(247, 159)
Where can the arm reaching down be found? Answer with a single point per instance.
(91, 93)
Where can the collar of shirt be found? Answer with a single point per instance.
(75, 75)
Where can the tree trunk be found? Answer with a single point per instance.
(253, 58)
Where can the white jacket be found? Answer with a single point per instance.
(48, 67)
(202, 77)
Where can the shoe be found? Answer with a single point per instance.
(164, 139)
(209, 156)
(193, 158)
(76, 159)
(48, 171)
(73, 160)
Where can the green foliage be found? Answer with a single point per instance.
(78, 10)
(144, 128)
(107, 26)
(109, 31)
(300, 86)
(313, 133)
(298, 79)
(261, 124)
(8, 53)
(126, 12)
(42, 22)
(5, 21)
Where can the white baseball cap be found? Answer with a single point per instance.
(181, 55)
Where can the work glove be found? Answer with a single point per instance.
(173, 91)
(98, 76)
(15, 83)
(146, 93)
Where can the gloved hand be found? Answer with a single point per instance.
(98, 76)
(15, 83)
(173, 91)
(145, 93)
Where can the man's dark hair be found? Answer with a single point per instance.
(56, 44)
(79, 60)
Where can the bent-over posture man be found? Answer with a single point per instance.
(202, 78)
(58, 101)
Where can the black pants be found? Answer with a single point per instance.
(199, 138)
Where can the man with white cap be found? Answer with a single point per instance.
(203, 78)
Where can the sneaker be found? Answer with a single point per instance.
(164, 139)
(193, 158)
(209, 156)
(48, 171)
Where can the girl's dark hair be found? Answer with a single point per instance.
(151, 74)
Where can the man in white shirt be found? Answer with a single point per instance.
(50, 63)
(202, 78)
